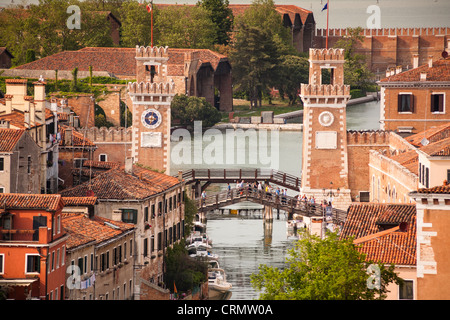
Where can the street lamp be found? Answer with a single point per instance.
(330, 192)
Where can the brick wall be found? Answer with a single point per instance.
(390, 47)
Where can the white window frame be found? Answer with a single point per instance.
(2, 265)
(103, 154)
(443, 103)
(405, 93)
(26, 262)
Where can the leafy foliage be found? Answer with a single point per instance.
(184, 271)
(189, 109)
(222, 16)
(356, 72)
(322, 269)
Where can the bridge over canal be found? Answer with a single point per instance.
(208, 176)
(288, 204)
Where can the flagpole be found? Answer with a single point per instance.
(328, 10)
(151, 14)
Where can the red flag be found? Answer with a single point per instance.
(149, 8)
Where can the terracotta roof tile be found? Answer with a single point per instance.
(9, 138)
(116, 184)
(444, 189)
(438, 148)
(432, 135)
(79, 140)
(440, 71)
(82, 229)
(49, 202)
(79, 201)
(364, 220)
(116, 61)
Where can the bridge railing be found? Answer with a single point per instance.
(283, 202)
(246, 174)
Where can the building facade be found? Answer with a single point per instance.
(20, 170)
(416, 100)
(152, 201)
(33, 113)
(100, 257)
(32, 246)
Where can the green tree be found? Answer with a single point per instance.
(185, 27)
(323, 269)
(254, 59)
(136, 24)
(182, 270)
(74, 83)
(222, 16)
(190, 109)
(356, 72)
(292, 71)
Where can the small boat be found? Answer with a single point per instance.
(217, 284)
(201, 251)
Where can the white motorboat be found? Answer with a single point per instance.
(217, 284)
(201, 251)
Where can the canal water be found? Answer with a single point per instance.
(243, 242)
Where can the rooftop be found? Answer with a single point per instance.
(48, 202)
(119, 185)
(376, 227)
(83, 230)
(116, 61)
(9, 138)
(440, 71)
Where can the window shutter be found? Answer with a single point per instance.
(399, 103)
(411, 106)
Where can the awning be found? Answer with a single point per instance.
(17, 282)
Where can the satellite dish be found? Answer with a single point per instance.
(444, 54)
(424, 142)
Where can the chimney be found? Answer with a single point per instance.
(398, 69)
(180, 175)
(4, 124)
(392, 71)
(39, 95)
(415, 60)
(68, 137)
(423, 76)
(26, 119)
(430, 61)
(116, 215)
(388, 72)
(54, 105)
(32, 113)
(8, 101)
(129, 165)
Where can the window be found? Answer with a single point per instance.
(405, 102)
(406, 290)
(145, 247)
(2, 260)
(129, 215)
(364, 196)
(448, 175)
(437, 103)
(103, 157)
(2, 164)
(427, 177)
(153, 211)
(29, 165)
(2, 190)
(33, 263)
(80, 265)
(145, 214)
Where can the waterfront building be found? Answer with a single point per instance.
(99, 254)
(417, 99)
(32, 246)
(20, 169)
(152, 201)
(20, 111)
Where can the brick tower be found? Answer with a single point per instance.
(324, 156)
(151, 96)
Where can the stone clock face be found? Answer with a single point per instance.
(326, 118)
(151, 118)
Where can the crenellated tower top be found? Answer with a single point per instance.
(326, 78)
(151, 64)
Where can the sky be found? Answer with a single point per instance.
(353, 13)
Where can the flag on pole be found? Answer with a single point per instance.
(149, 7)
(325, 7)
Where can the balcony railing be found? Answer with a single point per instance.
(25, 235)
